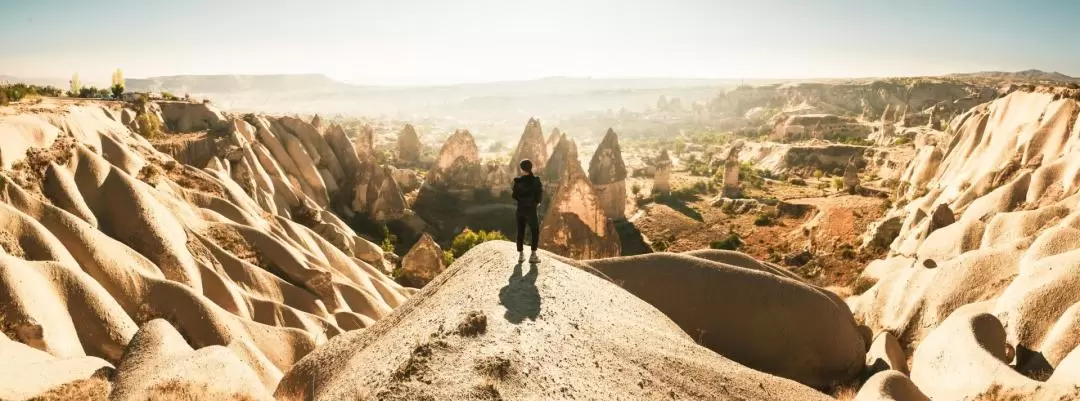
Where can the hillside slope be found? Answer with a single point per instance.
(489, 329)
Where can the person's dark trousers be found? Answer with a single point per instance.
(527, 217)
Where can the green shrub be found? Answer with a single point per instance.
(635, 189)
(765, 219)
(732, 242)
(388, 240)
(168, 96)
(818, 174)
(149, 126)
(468, 239)
(447, 258)
(838, 183)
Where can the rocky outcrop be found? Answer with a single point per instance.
(531, 146)
(409, 148)
(553, 140)
(422, 263)
(187, 117)
(799, 159)
(365, 142)
(377, 194)
(105, 236)
(662, 176)
(457, 168)
(607, 172)
(819, 126)
(343, 150)
(704, 291)
(731, 186)
(488, 308)
(851, 176)
(977, 275)
(575, 224)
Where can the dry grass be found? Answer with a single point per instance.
(190, 178)
(10, 244)
(91, 389)
(176, 390)
(495, 367)
(475, 323)
(230, 240)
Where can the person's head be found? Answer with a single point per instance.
(526, 166)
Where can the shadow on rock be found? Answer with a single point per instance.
(520, 296)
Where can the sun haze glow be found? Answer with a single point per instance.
(435, 42)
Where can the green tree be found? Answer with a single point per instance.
(117, 87)
(76, 86)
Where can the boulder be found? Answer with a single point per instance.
(885, 353)
(187, 117)
(607, 172)
(422, 263)
(889, 385)
(705, 296)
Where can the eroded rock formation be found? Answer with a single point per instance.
(607, 172)
(531, 146)
(662, 176)
(409, 148)
(575, 224)
(731, 186)
(422, 263)
(851, 176)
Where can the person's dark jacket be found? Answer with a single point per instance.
(527, 191)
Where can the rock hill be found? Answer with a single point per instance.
(488, 329)
(979, 278)
(104, 236)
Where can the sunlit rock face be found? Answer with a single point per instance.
(575, 224)
(458, 167)
(377, 194)
(564, 153)
(408, 146)
(607, 172)
(531, 146)
(553, 140)
(662, 176)
(422, 263)
(819, 126)
(187, 117)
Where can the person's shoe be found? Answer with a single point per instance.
(534, 259)
(521, 257)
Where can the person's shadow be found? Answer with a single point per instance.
(520, 296)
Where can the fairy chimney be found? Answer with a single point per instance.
(607, 172)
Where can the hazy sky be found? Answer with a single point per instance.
(423, 42)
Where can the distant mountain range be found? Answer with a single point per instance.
(1026, 75)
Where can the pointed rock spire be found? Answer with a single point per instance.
(531, 146)
(851, 176)
(575, 224)
(732, 188)
(422, 263)
(408, 145)
(607, 172)
(458, 165)
(553, 140)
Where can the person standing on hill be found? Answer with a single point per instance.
(527, 191)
